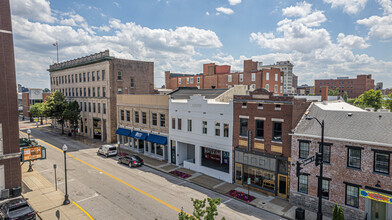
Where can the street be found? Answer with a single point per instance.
(108, 190)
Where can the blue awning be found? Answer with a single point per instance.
(123, 131)
(157, 139)
(139, 135)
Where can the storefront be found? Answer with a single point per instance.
(157, 146)
(215, 159)
(123, 136)
(265, 172)
(378, 205)
(138, 140)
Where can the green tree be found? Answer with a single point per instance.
(72, 114)
(37, 110)
(345, 96)
(337, 213)
(55, 106)
(340, 214)
(371, 99)
(388, 102)
(333, 92)
(351, 101)
(201, 211)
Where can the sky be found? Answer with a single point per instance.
(323, 39)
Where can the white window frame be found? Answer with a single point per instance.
(276, 89)
(191, 80)
(179, 80)
(187, 80)
(229, 78)
(253, 76)
(267, 87)
(189, 128)
(267, 76)
(241, 77)
(276, 77)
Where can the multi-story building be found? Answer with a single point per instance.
(378, 86)
(262, 142)
(31, 97)
(353, 87)
(220, 77)
(305, 90)
(94, 82)
(356, 162)
(10, 169)
(201, 123)
(290, 80)
(143, 124)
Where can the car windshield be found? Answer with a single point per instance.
(137, 157)
(18, 207)
(112, 148)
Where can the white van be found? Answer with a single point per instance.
(107, 150)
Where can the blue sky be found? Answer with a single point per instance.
(323, 39)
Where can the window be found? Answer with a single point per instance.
(325, 189)
(119, 75)
(303, 184)
(303, 149)
(85, 107)
(122, 115)
(267, 76)
(72, 78)
(179, 121)
(89, 107)
(98, 91)
(267, 87)
(119, 90)
(128, 116)
(326, 153)
(136, 117)
(89, 92)
(229, 79)
(88, 76)
(154, 119)
(103, 74)
(281, 89)
(132, 83)
(352, 196)
(94, 107)
(93, 76)
(99, 107)
(80, 77)
(278, 107)
(76, 92)
(104, 108)
(204, 127)
(162, 121)
(103, 92)
(260, 106)
(81, 92)
(381, 162)
(192, 80)
(189, 125)
(225, 130)
(244, 105)
(354, 158)
(187, 80)
(253, 76)
(260, 129)
(93, 91)
(217, 129)
(173, 123)
(277, 131)
(97, 75)
(241, 77)
(144, 117)
(276, 89)
(179, 80)
(198, 79)
(244, 127)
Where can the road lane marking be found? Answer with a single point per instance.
(113, 177)
(83, 210)
(93, 196)
(64, 181)
(227, 201)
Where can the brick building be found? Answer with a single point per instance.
(290, 80)
(220, 77)
(10, 172)
(357, 162)
(94, 82)
(31, 97)
(264, 157)
(353, 87)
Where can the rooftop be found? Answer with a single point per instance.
(187, 92)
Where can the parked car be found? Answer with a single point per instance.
(17, 209)
(131, 160)
(107, 150)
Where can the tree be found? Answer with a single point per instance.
(337, 213)
(388, 102)
(345, 96)
(55, 106)
(371, 99)
(200, 210)
(333, 92)
(72, 114)
(351, 101)
(37, 110)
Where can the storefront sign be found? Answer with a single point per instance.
(33, 153)
(375, 196)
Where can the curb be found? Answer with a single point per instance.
(36, 212)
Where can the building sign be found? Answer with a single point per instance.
(138, 134)
(375, 196)
(33, 153)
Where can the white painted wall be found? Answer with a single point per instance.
(198, 109)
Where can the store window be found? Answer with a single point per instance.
(159, 150)
(354, 157)
(217, 129)
(277, 131)
(204, 129)
(260, 129)
(260, 177)
(215, 159)
(154, 119)
(225, 130)
(303, 149)
(381, 162)
(303, 184)
(352, 195)
(137, 117)
(162, 120)
(144, 117)
(243, 127)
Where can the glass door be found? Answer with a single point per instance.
(173, 151)
(238, 173)
(379, 210)
(282, 186)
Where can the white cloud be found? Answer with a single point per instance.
(380, 26)
(223, 10)
(349, 6)
(234, 2)
(37, 10)
(207, 13)
(386, 5)
(352, 42)
(301, 9)
(116, 4)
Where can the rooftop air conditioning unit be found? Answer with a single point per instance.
(4, 194)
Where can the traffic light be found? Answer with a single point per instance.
(299, 168)
(319, 159)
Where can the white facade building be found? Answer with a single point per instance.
(200, 133)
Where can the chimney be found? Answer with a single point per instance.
(250, 65)
(324, 93)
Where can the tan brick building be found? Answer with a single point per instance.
(94, 82)
(265, 156)
(10, 172)
(31, 97)
(143, 124)
(220, 77)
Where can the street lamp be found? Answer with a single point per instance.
(30, 165)
(321, 156)
(66, 200)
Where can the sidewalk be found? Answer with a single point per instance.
(271, 204)
(44, 198)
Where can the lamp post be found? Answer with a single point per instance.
(321, 158)
(30, 165)
(66, 200)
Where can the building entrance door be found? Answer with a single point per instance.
(238, 173)
(282, 186)
(173, 154)
(379, 210)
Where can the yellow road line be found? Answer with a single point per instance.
(121, 181)
(83, 210)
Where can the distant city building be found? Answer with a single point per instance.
(10, 167)
(34, 95)
(220, 77)
(290, 80)
(378, 86)
(353, 87)
(305, 90)
(94, 82)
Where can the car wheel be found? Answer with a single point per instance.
(130, 165)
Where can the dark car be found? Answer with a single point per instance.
(131, 160)
(17, 209)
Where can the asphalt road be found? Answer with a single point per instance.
(107, 190)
